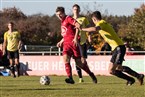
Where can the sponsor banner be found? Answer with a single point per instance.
(53, 65)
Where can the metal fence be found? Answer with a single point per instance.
(53, 50)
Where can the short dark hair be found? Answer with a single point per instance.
(97, 14)
(61, 9)
(76, 5)
(12, 23)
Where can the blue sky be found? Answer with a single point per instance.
(114, 7)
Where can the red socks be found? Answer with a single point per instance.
(68, 69)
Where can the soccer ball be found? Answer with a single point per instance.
(44, 80)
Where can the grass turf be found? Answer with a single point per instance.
(29, 86)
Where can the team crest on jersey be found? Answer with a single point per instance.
(63, 30)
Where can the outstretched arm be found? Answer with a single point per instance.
(77, 25)
(91, 29)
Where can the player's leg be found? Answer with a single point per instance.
(86, 69)
(114, 71)
(84, 62)
(68, 69)
(17, 66)
(77, 57)
(17, 63)
(12, 68)
(67, 53)
(116, 64)
(128, 70)
(79, 71)
(83, 52)
(11, 56)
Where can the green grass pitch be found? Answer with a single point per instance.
(107, 86)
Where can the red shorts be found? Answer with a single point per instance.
(71, 50)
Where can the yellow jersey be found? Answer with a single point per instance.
(83, 21)
(109, 35)
(12, 40)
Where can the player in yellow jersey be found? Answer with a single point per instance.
(83, 21)
(12, 41)
(118, 49)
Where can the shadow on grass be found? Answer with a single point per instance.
(41, 89)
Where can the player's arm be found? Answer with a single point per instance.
(20, 42)
(4, 44)
(19, 45)
(75, 40)
(59, 44)
(72, 21)
(77, 25)
(91, 29)
(87, 24)
(89, 38)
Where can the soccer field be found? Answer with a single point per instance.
(29, 86)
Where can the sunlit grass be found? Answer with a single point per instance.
(29, 86)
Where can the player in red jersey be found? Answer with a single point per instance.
(69, 31)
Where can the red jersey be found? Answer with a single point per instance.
(68, 29)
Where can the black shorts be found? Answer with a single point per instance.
(118, 55)
(83, 50)
(13, 54)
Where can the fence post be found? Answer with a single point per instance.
(59, 51)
